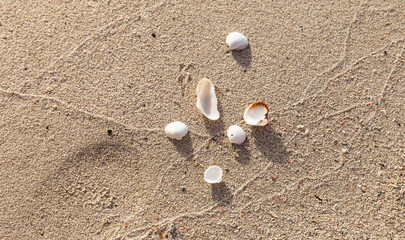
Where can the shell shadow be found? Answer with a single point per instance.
(242, 154)
(244, 57)
(269, 144)
(183, 146)
(221, 194)
(216, 127)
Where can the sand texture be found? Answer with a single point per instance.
(87, 87)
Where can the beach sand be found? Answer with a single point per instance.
(330, 165)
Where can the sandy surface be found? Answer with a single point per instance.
(329, 166)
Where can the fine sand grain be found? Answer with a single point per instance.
(87, 87)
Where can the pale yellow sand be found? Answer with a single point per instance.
(71, 70)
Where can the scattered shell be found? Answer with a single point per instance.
(380, 172)
(236, 134)
(256, 114)
(206, 99)
(213, 174)
(273, 214)
(176, 130)
(345, 150)
(237, 41)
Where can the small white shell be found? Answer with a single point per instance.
(206, 99)
(256, 114)
(176, 130)
(236, 134)
(213, 175)
(237, 41)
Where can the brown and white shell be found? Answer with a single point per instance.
(257, 114)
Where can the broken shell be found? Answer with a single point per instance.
(213, 175)
(256, 114)
(206, 99)
(237, 41)
(176, 130)
(236, 134)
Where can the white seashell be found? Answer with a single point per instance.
(256, 114)
(237, 41)
(236, 134)
(213, 175)
(176, 130)
(206, 99)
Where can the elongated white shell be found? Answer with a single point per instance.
(206, 99)
(213, 175)
(236, 134)
(256, 114)
(237, 41)
(176, 130)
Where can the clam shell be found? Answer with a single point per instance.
(256, 114)
(236, 134)
(213, 175)
(237, 41)
(176, 130)
(206, 99)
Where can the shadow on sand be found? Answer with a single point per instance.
(241, 152)
(184, 146)
(221, 194)
(269, 144)
(216, 127)
(244, 57)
